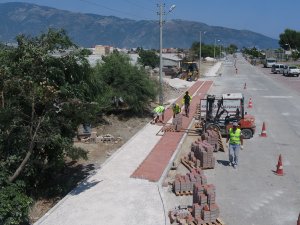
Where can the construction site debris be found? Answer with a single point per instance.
(107, 138)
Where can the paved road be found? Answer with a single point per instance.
(252, 194)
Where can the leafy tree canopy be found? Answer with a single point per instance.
(124, 83)
(148, 58)
(290, 39)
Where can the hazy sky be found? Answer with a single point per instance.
(263, 16)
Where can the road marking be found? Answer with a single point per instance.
(274, 96)
(285, 114)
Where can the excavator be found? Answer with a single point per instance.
(220, 113)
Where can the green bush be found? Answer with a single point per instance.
(14, 204)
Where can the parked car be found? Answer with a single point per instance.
(291, 71)
(277, 68)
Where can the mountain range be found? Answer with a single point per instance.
(88, 30)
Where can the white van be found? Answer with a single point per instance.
(277, 68)
(269, 62)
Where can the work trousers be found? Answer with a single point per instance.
(234, 153)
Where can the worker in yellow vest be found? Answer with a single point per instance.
(157, 112)
(235, 139)
(176, 109)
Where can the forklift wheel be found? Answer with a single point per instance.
(247, 133)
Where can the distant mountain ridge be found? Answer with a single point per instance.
(88, 30)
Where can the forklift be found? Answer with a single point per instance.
(221, 112)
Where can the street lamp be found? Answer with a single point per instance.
(161, 13)
(215, 48)
(200, 53)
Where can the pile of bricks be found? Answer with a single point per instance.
(213, 138)
(198, 112)
(204, 209)
(201, 155)
(183, 185)
(177, 122)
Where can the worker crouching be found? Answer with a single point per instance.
(157, 112)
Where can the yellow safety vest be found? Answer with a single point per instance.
(176, 109)
(159, 109)
(235, 137)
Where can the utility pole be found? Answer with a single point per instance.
(161, 22)
(215, 49)
(161, 12)
(200, 53)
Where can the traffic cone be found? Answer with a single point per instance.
(250, 103)
(298, 221)
(245, 86)
(279, 170)
(263, 130)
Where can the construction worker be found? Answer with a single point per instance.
(235, 139)
(158, 111)
(176, 109)
(186, 101)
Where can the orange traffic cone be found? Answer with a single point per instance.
(279, 170)
(298, 222)
(263, 130)
(245, 86)
(250, 103)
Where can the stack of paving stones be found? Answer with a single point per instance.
(177, 122)
(198, 112)
(201, 155)
(184, 184)
(204, 209)
(212, 137)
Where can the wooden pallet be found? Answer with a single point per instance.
(187, 164)
(183, 193)
(218, 222)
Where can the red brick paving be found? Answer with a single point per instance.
(155, 163)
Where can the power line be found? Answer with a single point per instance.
(115, 10)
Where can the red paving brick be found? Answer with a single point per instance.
(155, 163)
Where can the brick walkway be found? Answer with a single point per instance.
(155, 163)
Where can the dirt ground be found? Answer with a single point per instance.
(98, 153)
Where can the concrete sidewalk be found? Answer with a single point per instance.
(110, 196)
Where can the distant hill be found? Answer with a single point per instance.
(89, 29)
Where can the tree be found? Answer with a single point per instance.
(148, 58)
(289, 39)
(46, 88)
(206, 50)
(124, 82)
(232, 49)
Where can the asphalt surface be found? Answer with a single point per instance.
(251, 194)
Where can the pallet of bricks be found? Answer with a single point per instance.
(175, 126)
(201, 154)
(183, 184)
(204, 210)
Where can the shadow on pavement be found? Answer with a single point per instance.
(223, 162)
(85, 185)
